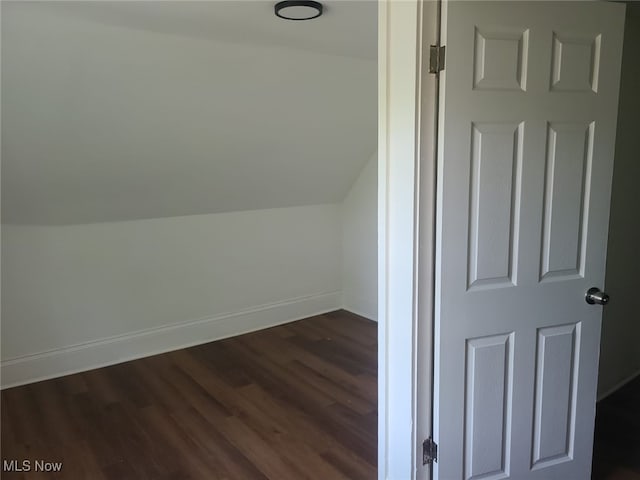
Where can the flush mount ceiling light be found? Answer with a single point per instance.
(298, 9)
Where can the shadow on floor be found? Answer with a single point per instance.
(616, 449)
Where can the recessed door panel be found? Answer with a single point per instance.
(496, 157)
(489, 375)
(566, 201)
(556, 375)
(575, 63)
(500, 61)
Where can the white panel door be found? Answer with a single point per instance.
(527, 127)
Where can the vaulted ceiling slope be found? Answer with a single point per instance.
(128, 110)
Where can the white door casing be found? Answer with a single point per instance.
(528, 107)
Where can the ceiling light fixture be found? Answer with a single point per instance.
(298, 9)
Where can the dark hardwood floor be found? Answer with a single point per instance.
(616, 450)
(298, 401)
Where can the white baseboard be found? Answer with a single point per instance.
(122, 348)
(618, 385)
(360, 313)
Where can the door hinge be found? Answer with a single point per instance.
(429, 451)
(436, 58)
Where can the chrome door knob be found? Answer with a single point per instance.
(596, 297)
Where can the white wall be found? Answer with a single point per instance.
(620, 353)
(360, 244)
(108, 116)
(77, 297)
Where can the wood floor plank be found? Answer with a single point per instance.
(265, 455)
(333, 388)
(232, 461)
(349, 464)
(297, 401)
(278, 379)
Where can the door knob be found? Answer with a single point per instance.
(595, 296)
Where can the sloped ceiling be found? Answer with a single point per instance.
(129, 110)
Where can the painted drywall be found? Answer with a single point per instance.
(360, 244)
(129, 110)
(620, 355)
(76, 297)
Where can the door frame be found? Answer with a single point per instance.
(407, 124)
